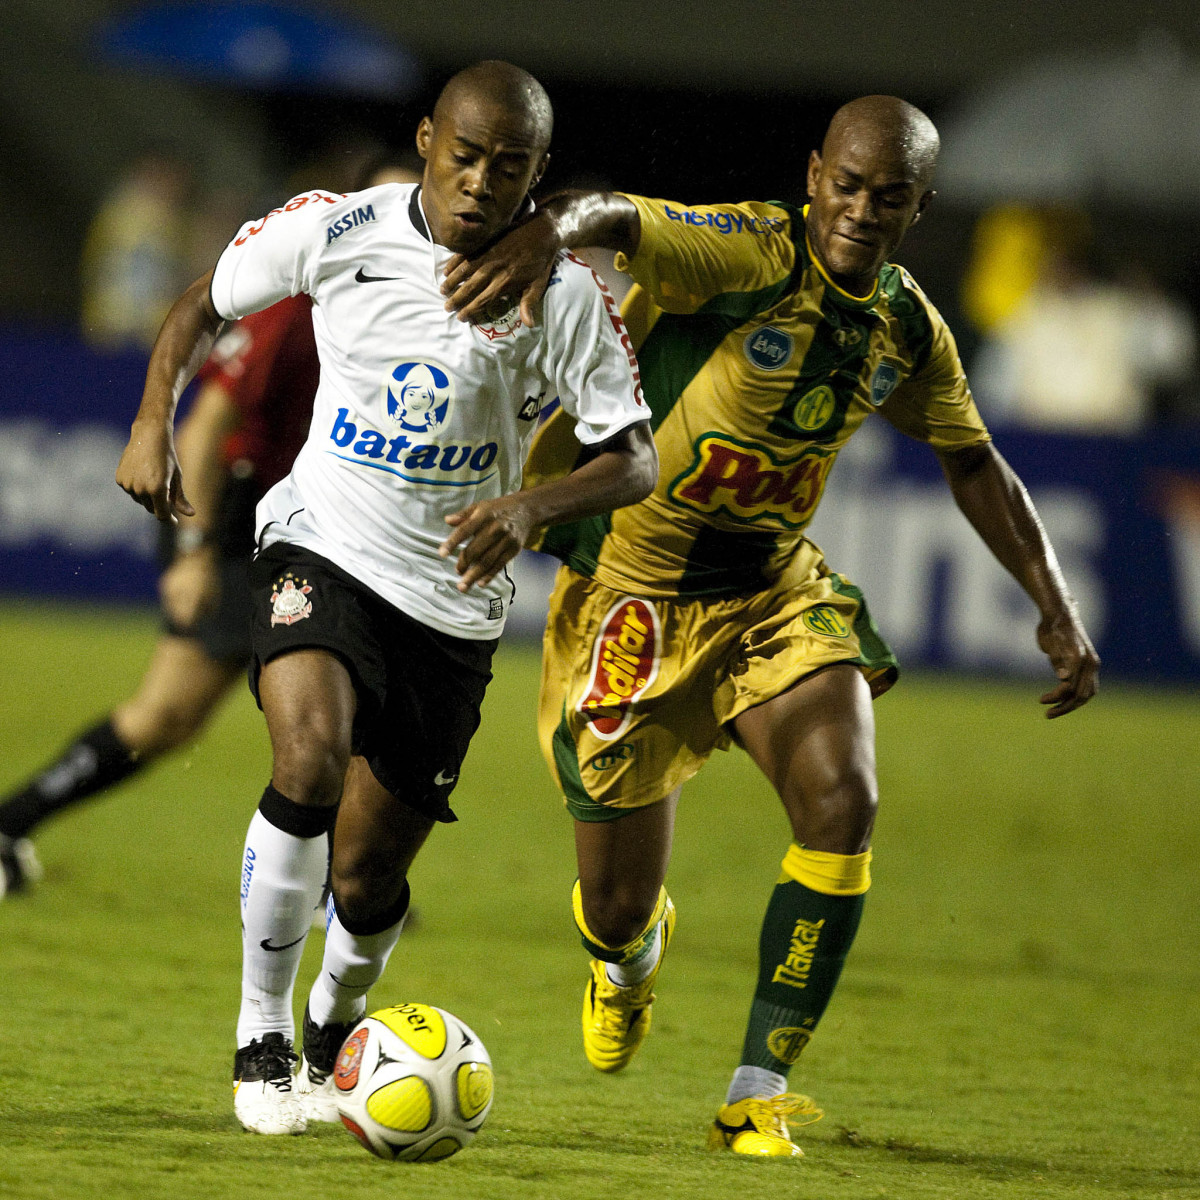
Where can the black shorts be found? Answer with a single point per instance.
(419, 690)
(223, 631)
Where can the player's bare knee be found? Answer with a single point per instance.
(174, 726)
(364, 887)
(310, 770)
(839, 817)
(616, 918)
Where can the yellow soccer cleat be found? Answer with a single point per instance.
(759, 1125)
(617, 1019)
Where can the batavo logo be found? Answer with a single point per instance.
(625, 662)
(747, 482)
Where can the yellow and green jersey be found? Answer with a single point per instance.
(757, 368)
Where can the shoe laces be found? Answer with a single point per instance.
(779, 1112)
(272, 1061)
(615, 1003)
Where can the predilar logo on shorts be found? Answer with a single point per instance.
(289, 600)
(624, 663)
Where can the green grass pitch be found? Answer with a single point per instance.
(1020, 1017)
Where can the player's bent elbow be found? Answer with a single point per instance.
(644, 465)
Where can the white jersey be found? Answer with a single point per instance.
(417, 414)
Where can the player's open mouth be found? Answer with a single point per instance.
(470, 220)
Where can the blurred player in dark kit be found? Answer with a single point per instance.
(248, 420)
(240, 437)
(766, 335)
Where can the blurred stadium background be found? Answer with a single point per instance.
(1075, 125)
(1020, 1014)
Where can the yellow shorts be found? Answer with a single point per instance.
(637, 693)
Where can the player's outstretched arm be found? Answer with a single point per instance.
(996, 503)
(149, 469)
(189, 586)
(519, 264)
(489, 535)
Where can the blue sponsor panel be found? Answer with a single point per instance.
(1124, 516)
(65, 526)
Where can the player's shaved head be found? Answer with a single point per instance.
(505, 86)
(890, 126)
(485, 146)
(868, 185)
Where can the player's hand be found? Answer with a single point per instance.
(1074, 659)
(149, 472)
(519, 264)
(188, 587)
(487, 536)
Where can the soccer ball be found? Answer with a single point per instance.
(413, 1083)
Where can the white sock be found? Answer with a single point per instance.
(629, 973)
(282, 878)
(754, 1081)
(351, 965)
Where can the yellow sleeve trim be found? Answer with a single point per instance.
(829, 874)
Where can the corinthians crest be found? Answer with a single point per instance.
(289, 600)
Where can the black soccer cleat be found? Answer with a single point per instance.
(314, 1084)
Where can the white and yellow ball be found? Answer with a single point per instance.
(413, 1083)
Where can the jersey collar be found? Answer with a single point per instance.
(840, 292)
(416, 214)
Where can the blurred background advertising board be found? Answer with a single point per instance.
(1062, 248)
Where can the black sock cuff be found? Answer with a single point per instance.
(111, 752)
(300, 820)
(379, 921)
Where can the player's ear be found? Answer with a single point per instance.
(424, 136)
(539, 171)
(814, 170)
(922, 204)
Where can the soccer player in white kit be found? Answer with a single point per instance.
(380, 585)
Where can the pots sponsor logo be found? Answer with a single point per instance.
(747, 482)
(625, 663)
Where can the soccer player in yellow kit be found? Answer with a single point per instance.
(702, 615)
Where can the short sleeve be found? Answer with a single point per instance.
(935, 404)
(273, 257)
(590, 360)
(712, 257)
